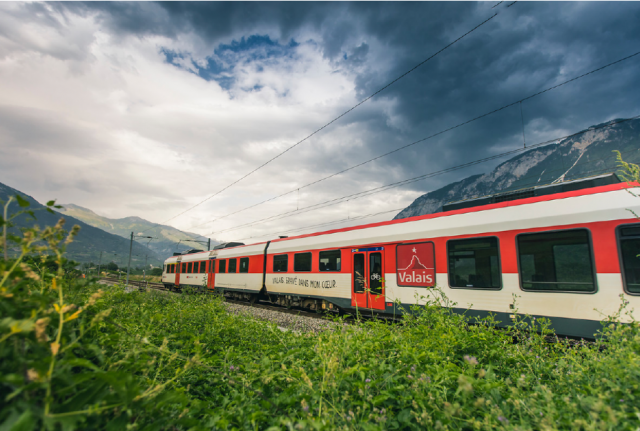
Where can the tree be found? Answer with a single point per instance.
(156, 271)
(112, 266)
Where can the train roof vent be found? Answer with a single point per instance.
(227, 245)
(193, 250)
(541, 190)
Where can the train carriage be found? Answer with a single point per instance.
(569, 256)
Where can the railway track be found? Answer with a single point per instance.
(350, 319)
(271, 307)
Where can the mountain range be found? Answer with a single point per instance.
(166, 241)
(90, 240)
(584, 154)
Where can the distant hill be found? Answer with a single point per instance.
(167, 237)
(89, 242)
(589, 153)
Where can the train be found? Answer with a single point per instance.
(568, 252)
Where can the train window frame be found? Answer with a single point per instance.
(594, 270)
(330, 251)
(222, 266)
(242, 260)
(435, 268)
(273, 264)
(310, 262)
(499, 263)
(235, 266)
(618, 232)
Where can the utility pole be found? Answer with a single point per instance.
(144, 271)
(99, 262)
(209, 244)
(129, 265)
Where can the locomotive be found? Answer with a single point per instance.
(568, 252)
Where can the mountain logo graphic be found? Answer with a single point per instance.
(415, 264)
(411, 269)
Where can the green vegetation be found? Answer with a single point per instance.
(77, 355)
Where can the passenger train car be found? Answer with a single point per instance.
(569, 252)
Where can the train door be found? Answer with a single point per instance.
(211, 277)
(368, 278)
(178, 271)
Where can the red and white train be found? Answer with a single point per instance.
(569, 252)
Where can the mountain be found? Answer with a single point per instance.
(585, 154)
(166, 238)
(89, 242)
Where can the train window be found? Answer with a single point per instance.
(281, 263)
(223, 267)
(302, 262)
(172, 268)
(184, 267)
(212, 266)
(629, 239)
(203, 267)
(556, 261)
(232, 265)
(358, 273)
(474, 263)
(330, 260)
(244, 264)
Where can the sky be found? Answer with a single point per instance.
(149, 109)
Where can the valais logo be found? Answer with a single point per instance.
(416, 265)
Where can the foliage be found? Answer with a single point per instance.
(630, 172)
(112, 266)
(78, 355)
(155, 271)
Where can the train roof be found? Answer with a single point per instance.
(554, 209)
(469, 210)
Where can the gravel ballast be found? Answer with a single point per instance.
(285, 321)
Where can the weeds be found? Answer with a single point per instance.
(78, 355)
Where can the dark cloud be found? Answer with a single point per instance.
(528, 47)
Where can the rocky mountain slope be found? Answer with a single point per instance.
(588, 153)
(89, 242)
(166, 237)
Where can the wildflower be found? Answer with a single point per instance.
(413, 369)
(410, 377)
(305, 406)
(232, 368)
(622, 400)
(471, 360)
(33, 375)
(367, 381)
(503, 419)
(40, 327)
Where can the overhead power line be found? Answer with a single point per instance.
(519, 101)
(375, 190)
(337, 118)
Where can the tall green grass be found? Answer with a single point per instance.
(77, 355)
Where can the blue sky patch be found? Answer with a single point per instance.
(220, 66)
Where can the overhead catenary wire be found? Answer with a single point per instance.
(519, 101)
(336, 118)
(379, 189)
(593, 171)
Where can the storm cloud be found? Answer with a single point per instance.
(149, 108)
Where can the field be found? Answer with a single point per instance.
(76, 357)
